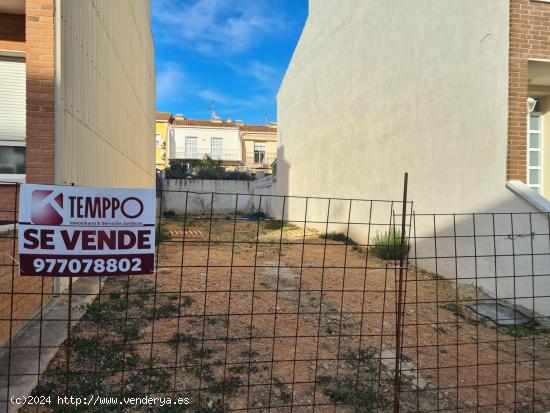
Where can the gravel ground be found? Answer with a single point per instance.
(246, 315)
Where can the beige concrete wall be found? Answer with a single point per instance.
(271, 146)
(105, 92)
(259, 136)
(375, 89)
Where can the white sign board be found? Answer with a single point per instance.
(80, 231)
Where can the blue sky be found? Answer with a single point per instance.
(232, 51)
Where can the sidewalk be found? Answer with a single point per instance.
(27, 358)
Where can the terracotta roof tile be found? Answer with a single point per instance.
(258, 128)
(223, 124)
(203, 122)
(166, 116)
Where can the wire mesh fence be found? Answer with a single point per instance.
(278, 303)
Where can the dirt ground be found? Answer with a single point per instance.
(253, 315)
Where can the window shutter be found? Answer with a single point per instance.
(12, 99)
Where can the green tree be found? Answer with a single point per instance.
(177, 169)
(205, 168)
(209, 166)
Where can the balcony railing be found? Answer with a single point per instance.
(198, 153)
(259, 159)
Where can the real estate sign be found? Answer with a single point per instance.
(80, 231)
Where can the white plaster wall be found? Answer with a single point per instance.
(231, 140)
(206, 196)
(506, 255)
(375, 89)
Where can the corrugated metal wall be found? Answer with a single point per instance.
(105, 93)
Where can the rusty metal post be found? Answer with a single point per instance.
(68, 342)
(68, 346)
(399, 304)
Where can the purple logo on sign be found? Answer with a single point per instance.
(47, 207)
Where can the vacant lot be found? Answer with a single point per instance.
(259, 315)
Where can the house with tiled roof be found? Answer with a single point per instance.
(192, 139)
(259, 146)
(236, 144)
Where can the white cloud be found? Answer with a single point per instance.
(215, 26)
(264, 75)
(210, 94)
(173, 85)
(170, 81)
(227, 104)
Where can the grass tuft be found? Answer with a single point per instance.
(338, 236)
(278, 224)
(524, 330)
(162, 234)
(357, 385)
(387, 245)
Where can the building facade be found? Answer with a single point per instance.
(192, 139)
(259, 147)
(237, 145)
(529, 78)
(456, 93)
(163, 122)
(77, 106)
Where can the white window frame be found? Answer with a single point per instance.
(6, 179)
(260, 147)
(13, 178)
(217, 155)
(537, 187)
(188, 154)
(158, 140)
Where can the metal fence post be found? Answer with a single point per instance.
(68, 346)
(399, 304)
